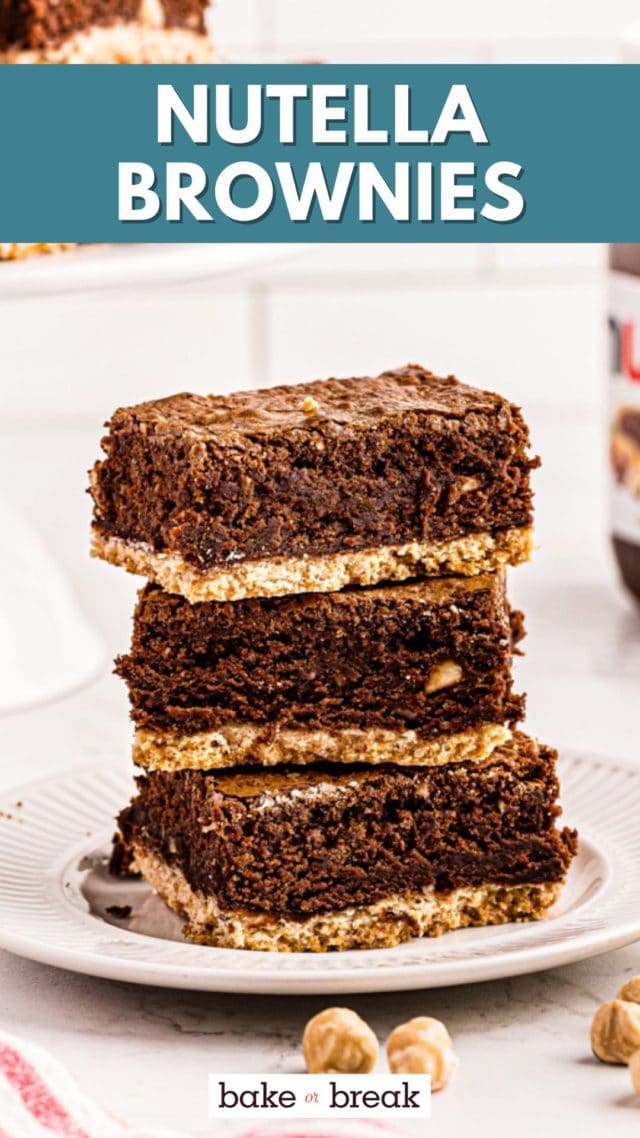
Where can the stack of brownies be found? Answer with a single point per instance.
(320, 674)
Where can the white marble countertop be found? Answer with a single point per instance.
(523, 1043)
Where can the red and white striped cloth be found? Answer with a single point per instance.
(39, 1099)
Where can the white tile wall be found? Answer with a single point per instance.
(375, 266)
(549, 258)
(238, 24)
(81, 356)
(528, 321)
(542, 346)
(377, 20)
(374, 29)
(602, 48)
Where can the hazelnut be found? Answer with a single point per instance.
(422, 1047)
(615, 1031)
(309, 406)
(469, 484)
(630, 991)
(337, 1041)
(443, 675)
(634, 1070)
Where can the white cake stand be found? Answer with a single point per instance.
(47, 648)
(95, 267)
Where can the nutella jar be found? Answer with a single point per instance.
(624, 407)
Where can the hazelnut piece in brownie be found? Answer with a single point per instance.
(103, 31)
(314, 487)
(337, 858)
(417, 673)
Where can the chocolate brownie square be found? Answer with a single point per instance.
(415, 673)
(318, 858)
(314, 487)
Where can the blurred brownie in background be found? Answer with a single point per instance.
(103, 31)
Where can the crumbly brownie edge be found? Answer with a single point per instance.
(383, 924)
(241, 743)
(120, 43)
(274, 577)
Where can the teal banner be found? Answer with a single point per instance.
(320, 153)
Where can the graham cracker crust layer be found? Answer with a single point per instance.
(382, 924)
(135, 42)
(274, 577)
(238, 743)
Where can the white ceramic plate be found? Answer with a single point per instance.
(54, 896)
(130, 266)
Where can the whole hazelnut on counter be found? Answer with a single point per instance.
(422, 1047)
(337, 1041)
(615, 1031)
(634, 1071)
(630, 991)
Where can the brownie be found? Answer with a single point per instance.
(33, 25)
(295, 843)
(384, 667)
(315, 486)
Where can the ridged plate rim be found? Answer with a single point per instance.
(61, 814)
